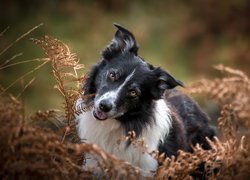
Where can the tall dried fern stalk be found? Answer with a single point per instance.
(65, 65)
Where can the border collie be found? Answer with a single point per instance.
(128, 94)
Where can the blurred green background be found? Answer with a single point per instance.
(185, 37)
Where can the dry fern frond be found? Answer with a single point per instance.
(53, 119)
(233, 90)
(65, 65)
(227, 122)
(28, 152)
(111, 167)
(187, 164)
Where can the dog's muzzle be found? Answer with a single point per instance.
(101, 111)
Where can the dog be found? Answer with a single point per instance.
(127, 94)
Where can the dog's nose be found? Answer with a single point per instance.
(105, 106)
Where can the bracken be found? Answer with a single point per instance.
(29, 151)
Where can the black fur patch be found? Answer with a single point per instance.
(196, 122)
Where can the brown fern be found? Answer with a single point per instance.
(65, 65)
(28, 151)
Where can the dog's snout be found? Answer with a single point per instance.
(105, 106)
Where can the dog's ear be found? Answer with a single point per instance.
(123, 41)
(163, 81)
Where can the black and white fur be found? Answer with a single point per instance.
(128, 94)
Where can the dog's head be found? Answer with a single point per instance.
(123, 83)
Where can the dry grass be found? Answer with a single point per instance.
(29, 151)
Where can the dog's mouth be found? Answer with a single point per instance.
(100, 115)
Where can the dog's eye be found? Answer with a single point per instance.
(132, 93)
(112, 76)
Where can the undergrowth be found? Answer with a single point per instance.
(29, 150)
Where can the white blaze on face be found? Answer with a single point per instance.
(113, 95)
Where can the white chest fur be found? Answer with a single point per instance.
(106, 134)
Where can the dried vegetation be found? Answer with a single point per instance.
(29, 151)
